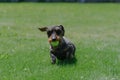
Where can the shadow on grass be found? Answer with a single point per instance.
(67, 62)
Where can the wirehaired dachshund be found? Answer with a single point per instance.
(63, 49)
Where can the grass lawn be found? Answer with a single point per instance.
(24, 50)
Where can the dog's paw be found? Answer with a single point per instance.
(53, 62)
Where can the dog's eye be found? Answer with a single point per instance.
(58, 32)
(49, 33)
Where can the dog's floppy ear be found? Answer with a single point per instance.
(43, 29)
(61, 26)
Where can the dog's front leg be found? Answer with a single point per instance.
(53, 58)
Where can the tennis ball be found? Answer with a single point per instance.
(55, 43)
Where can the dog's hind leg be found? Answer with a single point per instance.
(71, 51)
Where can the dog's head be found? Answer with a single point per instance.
(54, 33)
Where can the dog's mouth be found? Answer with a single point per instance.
(55, 43)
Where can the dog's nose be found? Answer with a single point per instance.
(54, 38)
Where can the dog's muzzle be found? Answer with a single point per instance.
(53, 37)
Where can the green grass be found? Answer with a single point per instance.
(24, 50)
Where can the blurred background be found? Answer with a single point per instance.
(81, 1)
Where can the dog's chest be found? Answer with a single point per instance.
(60, 53)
